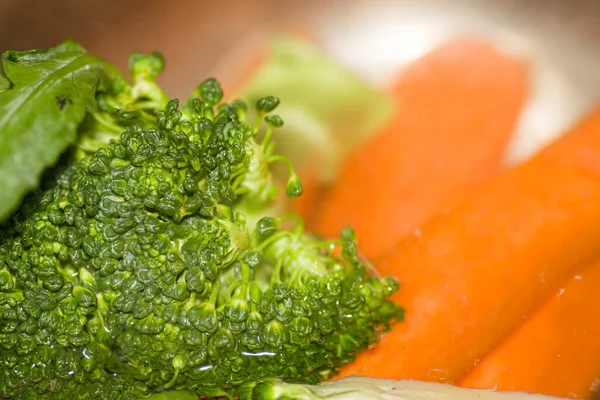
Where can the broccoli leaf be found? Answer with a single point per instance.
(4, 84)
(44, 96)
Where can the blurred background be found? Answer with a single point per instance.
(375, 38)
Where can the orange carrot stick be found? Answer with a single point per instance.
(457, 111)
(472, 275)
(556, 351)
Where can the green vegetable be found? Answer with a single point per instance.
(147, 262)
(51, 99)
(43, 99)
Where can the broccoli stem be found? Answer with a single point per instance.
(294, 185)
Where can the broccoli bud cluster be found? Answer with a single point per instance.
(137, 270)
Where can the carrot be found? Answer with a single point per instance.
(457, 109)
(556, 351)
(472, 275)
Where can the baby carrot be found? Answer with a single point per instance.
(472, 275)
(556, 351)
(457, 109)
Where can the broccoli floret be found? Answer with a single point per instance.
(148, 266)
(120, 104)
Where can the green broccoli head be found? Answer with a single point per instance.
(120, 104)
(145, 268)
